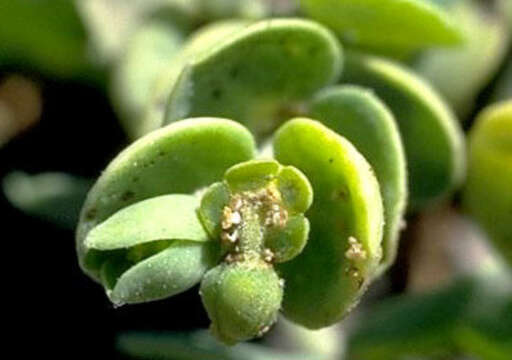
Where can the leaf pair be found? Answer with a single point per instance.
(140, 243)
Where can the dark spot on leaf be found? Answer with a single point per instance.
(135, 179)
(127, 195)
(217, 93)
(234, 73)
(331, 160)
(91, 214)
(342, 194)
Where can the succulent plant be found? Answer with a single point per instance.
(186, 204)
(310, 215)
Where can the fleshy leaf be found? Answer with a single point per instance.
(487, 42)
(295, 189)
(258, 73)
(58, 47)
(180, 158)
(386, 24)
(242, 300)
(215, 198)
(158, 218)
(432, 137)
(344, 247)
(289, 242)
(488, 192)
(167, 273)
(200, 41)
(251, 175)
(358, 115)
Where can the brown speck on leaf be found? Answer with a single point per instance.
(127, 195)
(91, 214)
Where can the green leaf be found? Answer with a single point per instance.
(198, 345)
(488, 193)
(158, 218)
(344, 247)
(242, 300)
(412, 325)
(215, 198)
(289, 242)
(385, 24)
(432, 137)
(257, 74)
(180, 158)
(54, 43)
(54, 197)
(148, 53)
(487, 42)
(251, 175)
(200, 41)
(109, 36)
(295, 189)
(167, 273)
(358, 115)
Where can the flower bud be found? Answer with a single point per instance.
(242, 300)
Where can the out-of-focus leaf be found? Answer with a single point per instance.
(220, 9)
(198, 345)
(344, 247)
(503, 89)
(200, 41)
(418, 325)
(432, 137)
(386, 24)
(180, 158)
(169, 272)
(47, 35)
(488, 192)
(110, 24)
(54, 197)
(159, 218)
(471, 316)
(462, 72)
(257, 72)
(358, 115)
(148, 53)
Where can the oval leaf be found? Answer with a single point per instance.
(163, 217)
(169, 272)
(366, 122)
(487, 42)
(201, 40)
(344, 246)
(254, 74)
(432, 137)
(180, 158)
(488, 192)
(386, 24)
